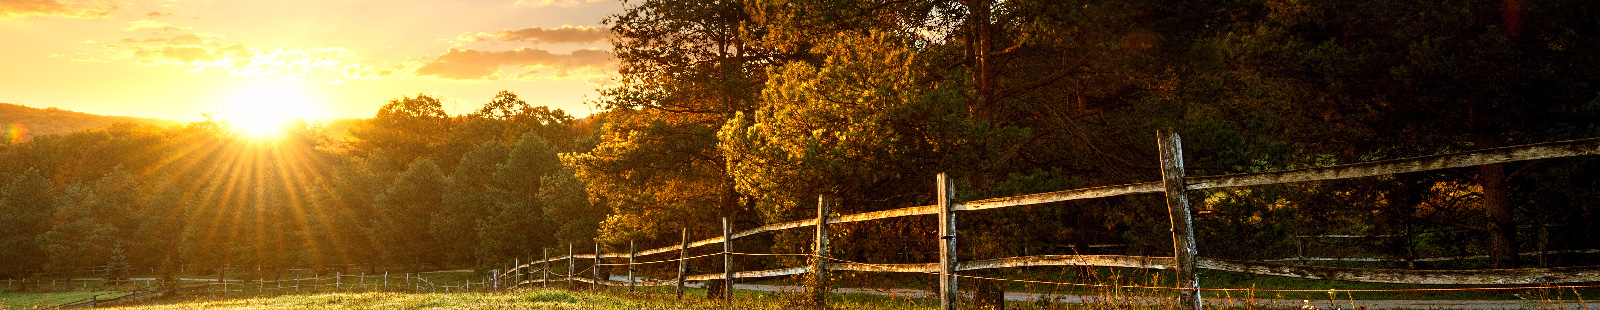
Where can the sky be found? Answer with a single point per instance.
(318, 59)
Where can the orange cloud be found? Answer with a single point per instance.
(565, 34)
(522, 63)
(202, 52)
(55, 8)
(151, 25)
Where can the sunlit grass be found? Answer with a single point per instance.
(517, 299)
(13, 300)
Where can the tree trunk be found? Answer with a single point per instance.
(1497, 205)
(980, 47)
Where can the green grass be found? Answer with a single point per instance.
(10, 300)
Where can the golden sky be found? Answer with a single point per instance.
(176, 59)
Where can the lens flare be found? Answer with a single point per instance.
(16, 133)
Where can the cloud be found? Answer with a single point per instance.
(151, 25)
(565, 34)
(157, 14)
(204, 52)
(55, 8)
(77, 57)
(522, 63)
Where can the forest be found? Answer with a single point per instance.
(751, 109)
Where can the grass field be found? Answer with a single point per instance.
(519, 299)
(647, 298)
(9, 300)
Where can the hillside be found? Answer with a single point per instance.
(49, 121)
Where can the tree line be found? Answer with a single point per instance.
(413, 188)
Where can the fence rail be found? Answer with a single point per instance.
(1174, 185)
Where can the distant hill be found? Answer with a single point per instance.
(339, 128)
(50, 121)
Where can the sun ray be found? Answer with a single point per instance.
(221, 195)
(288, 164)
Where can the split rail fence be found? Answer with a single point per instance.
(341, 282)
(1173, 185)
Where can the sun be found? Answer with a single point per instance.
(264, 110)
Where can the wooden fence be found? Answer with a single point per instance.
(343, 283)
(1174, 185)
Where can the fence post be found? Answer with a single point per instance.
(631, 254)
(337, 276)
(571, 265)
(819, 273)
(727, 260)
(1182, 228)
(596, 284)
(516, 278)
(683, 259)
(545, 281)
(947, 249)
(496, 284)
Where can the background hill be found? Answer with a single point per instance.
(52, 120)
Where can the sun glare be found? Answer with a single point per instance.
(262, 110)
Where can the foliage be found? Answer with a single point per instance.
(402, 192)
(25, 203)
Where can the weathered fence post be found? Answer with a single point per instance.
(727, 260)
(683, 259)
(336, 277)
(572, 265)
(819, 273)
(947, 249)
(516, 279)
(545, 281)
(596, 284)
(496, 275)
(1182, 229)
(631, 253)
